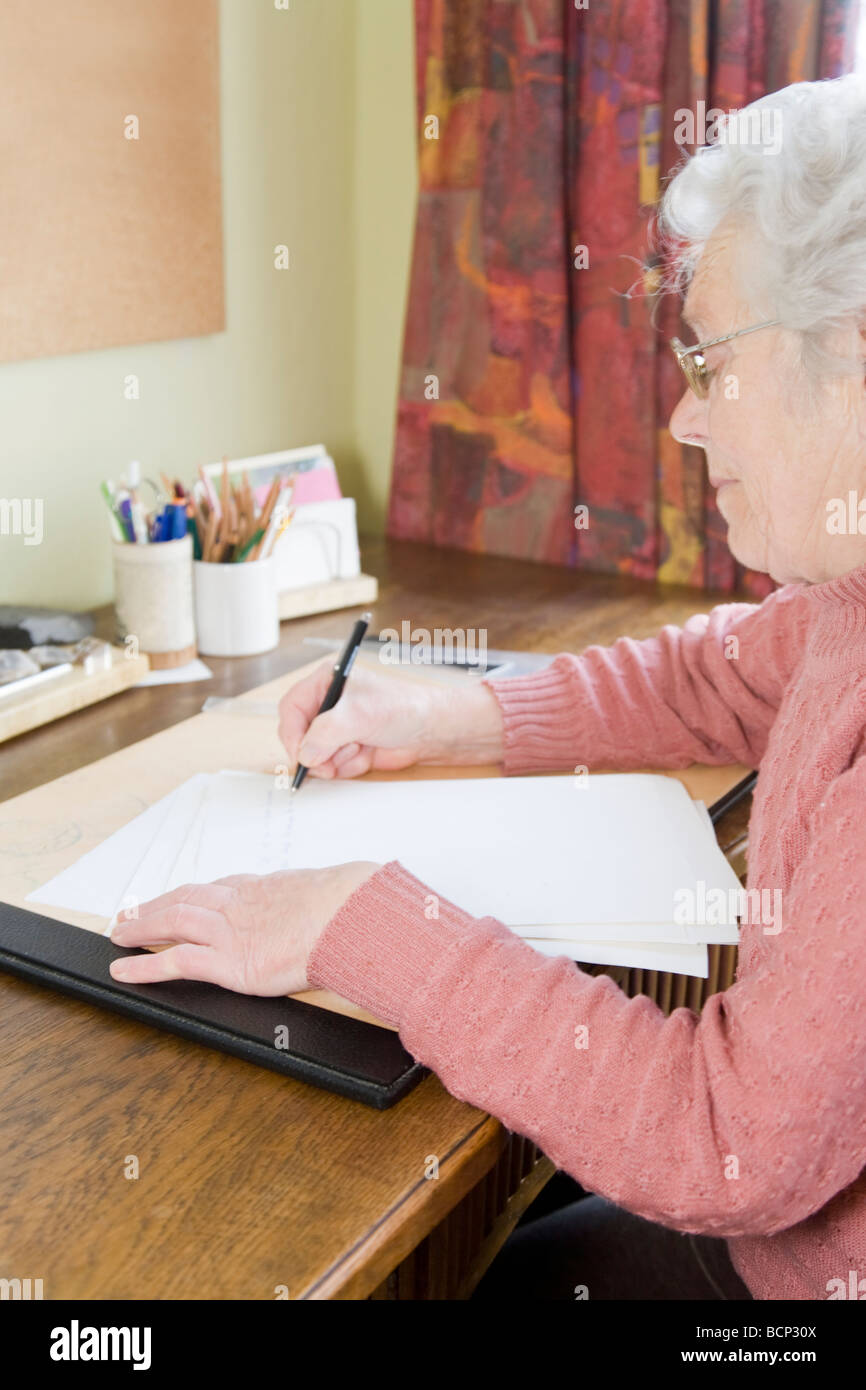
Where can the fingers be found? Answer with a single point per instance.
(178, 922)
(330, 769)
(352, 760)
(329, 734)
(300, 705)
(186, 962)
(354, 764)
(326, 771)
(211, 895)
(345, 755)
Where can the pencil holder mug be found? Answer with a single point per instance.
(153, 599)
(236, 607)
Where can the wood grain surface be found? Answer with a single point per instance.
(249, 1182)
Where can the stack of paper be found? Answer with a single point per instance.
(617, 870)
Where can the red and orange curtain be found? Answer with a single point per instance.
(535, 380)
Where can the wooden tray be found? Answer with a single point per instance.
(325, 598)
(43, 703)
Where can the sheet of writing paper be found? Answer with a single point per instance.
(97, 881)
(590, 867)
(156, 871)
(527, 850)
(636, 955)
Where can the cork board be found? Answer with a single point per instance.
(107, 240)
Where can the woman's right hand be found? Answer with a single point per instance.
(383, 723)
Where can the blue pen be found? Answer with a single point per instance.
(170, 525)
(125, 508)
(178, 521)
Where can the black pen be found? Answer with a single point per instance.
(338, 680)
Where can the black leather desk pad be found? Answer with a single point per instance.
(329, 1050)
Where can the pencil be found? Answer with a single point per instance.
(210, 490)
(245, 550)
(265, 519)
(200, 523)
(226, 488)
(210, 536)
(269, 544)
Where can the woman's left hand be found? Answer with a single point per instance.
(252, 935)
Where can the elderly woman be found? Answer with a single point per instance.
(725, 1150)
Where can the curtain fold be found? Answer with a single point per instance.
(536, 378)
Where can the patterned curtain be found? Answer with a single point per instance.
(535, 381)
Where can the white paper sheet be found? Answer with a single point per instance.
(590, 872)
(679, 960)
(97, 881)
(675, 934)
(162, 865)
(527, 850)
(247, 828)
(178, 675)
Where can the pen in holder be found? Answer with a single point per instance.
(153, 599)
(236, 608)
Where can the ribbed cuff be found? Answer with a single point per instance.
(383, 943)
(539, 716)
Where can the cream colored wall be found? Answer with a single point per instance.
(317, 130)
(386, 197)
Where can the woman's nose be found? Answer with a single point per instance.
(688, 422)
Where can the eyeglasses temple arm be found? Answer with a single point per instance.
(741, 333)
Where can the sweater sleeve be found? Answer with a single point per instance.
(745, 1119)
(707, 692)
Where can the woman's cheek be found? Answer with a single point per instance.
(746, 538)
(730, 498)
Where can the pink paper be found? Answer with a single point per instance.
(318, 485)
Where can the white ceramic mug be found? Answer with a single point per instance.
(236, 608)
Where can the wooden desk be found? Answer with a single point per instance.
(248, 1181)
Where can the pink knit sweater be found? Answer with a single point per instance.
(748, 1121)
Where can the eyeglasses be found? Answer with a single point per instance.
(693, 363)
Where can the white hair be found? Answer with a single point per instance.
(803, 205)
